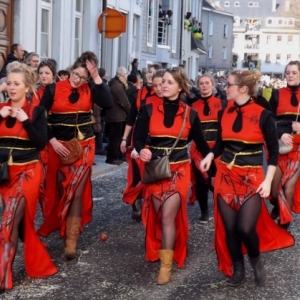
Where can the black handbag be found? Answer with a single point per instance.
(4, 176)
(159, 168)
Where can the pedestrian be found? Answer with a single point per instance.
(16, 54)
(207, 107)
(241, 216)
(23, 132)
(134, 68)
(115, 117)
(133, 192)
(32, 59)
(163, 121)
(70, 202)
(62, 75)
(285, 104)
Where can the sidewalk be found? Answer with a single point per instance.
(103, 168)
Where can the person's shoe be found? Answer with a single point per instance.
(166, 259)
(72, 233)
(275, 212)
(116, 162)
(238, 274)
(204, 218)
(136, 209)
(260, 273)
(94, 164)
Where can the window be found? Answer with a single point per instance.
(210, 52)
(236, 3)
(278, 58)
(290, 39)
(150, 22)
(250, 4)
(210, 27)
(78, 28)
(269, 39)
(237, 21)
(280, 22)
(291, 22)
(269, 22)
(226, 4)
(287, 5)
(288, 57)
(268, 60)
(224, 53)
(279, 39)
(225, 30)
(45, 29)
(255, 4)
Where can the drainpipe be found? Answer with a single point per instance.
(103, 39)
(181, 34)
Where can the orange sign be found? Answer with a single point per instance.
(115, 23)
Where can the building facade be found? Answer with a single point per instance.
(265, 34)
(217, 25)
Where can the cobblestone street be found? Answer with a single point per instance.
(115, 269)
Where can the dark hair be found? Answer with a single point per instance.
(155, 66)
(62, 73)
(158, 74)
(81, 61)
(181, 78)
(50, 63)
(135, 60)
(247, 78)
(14, 48)
(132, 78)
(101, 72)
(293, 63)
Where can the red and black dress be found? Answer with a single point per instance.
(162, 121)
(241, 136)
(207, 109)
(285, 105)
(70, 112)
(134, 187)
(24, 140)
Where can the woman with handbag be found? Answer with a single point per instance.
(241, 216)
(46, 74)
(164, 130)
(72, 149)
(207, 107)
(133, 192)
(23, 132)
(285, 104)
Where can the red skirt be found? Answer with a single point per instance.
(57, 209)
(134, 187)
(44, 156)
(179, 183)
(24, 182)
(236, 186)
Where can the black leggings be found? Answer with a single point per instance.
(240, 227)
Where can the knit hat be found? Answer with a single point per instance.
(132, 78)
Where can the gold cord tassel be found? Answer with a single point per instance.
(231, 164)
(10, 158)
(80, 135)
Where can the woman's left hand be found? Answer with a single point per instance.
(93, 70)
(296, 126)
(264, 189)
(21, 115)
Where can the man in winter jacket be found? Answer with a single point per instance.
(115, 117)
(16, 54)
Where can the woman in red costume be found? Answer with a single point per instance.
(242, 222)
(167, 224)
(46, 71)
(285, 104)
(133, 191)
(69, 205)
(207, 107)
(23, 132)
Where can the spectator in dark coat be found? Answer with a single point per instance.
(16, 54)
(134, 70)
(131, 92)
(115, 117)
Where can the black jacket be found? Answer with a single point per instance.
(10, 58)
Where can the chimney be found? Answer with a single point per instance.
(274, 5)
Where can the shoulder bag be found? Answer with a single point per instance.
(159, 168)
(283, 148)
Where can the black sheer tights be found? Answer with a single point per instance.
(240, 227)
(169, 209)
(76, 205)
(19, 214)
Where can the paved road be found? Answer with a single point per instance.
(116, 269)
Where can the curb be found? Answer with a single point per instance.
(99, 173)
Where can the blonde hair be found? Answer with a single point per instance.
(208, 76)
(247, 78)
(28, 74)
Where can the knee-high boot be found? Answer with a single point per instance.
(260, 273)
(166, 259)
(238, 274)
(72, 234)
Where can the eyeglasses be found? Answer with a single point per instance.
(228, 85)
(77, 76)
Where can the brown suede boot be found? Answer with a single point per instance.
(72, 234)
(166, 259)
